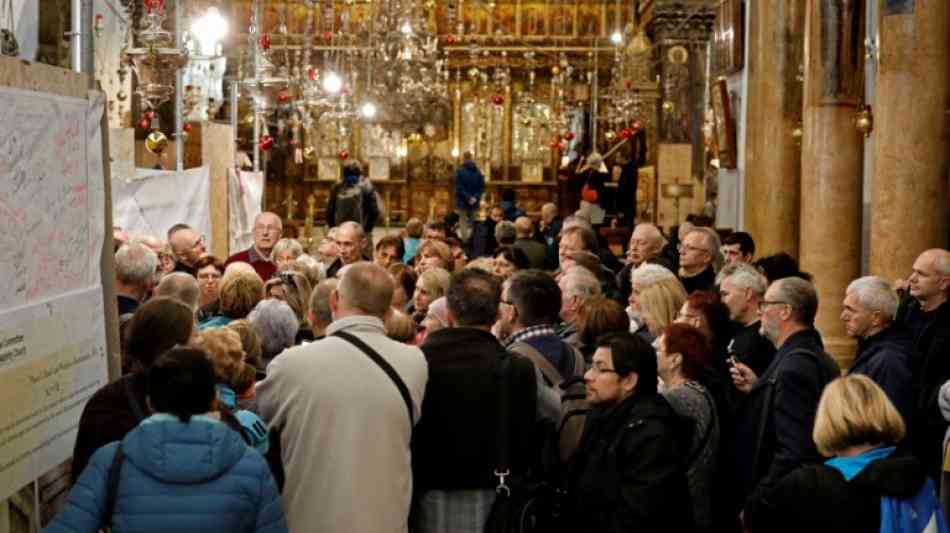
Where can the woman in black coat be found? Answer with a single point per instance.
(859, 426)
(629, 474)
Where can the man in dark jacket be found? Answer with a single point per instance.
(469, 187)
(629, 473)
(697, 252)
(353, 200)
(927, 315)
(884, 348)
(454, 445)
(776, 417)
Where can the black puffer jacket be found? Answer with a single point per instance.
(628, 473)
(818, 498)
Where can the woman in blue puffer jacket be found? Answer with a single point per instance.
(181, 469)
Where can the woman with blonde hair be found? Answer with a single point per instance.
(658, 304)
(430, 286)
(285, 252)
(238, 293)
(295, 289)
(867, 485)
(434, 254)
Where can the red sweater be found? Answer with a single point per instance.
(265, 269)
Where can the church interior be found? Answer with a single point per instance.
(820, 127)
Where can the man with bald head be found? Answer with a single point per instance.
(267, 231)
(181, 287)
(697, 252)
(187, 247)
(345, 407)
(927, 315)
(350, 240)
(535, 250)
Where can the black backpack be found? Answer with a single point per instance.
(349, 205)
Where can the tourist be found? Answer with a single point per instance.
(187, 247)
(353, 199)
(350, 240)
(320, 314)
(389, 250)
(239, 293)
(469, 187)
(508, 260)
(266, 231)
(182, 287)
(738, 247)
(698, 250)
(135, 267)
(210, 270)
(577, 285)
(285, 253)
(276, 324)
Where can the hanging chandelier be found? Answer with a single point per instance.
(154, 58)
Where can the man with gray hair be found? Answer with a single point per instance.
(345, 407)
(320, 313)
(698, 252)
(774, 423)
(181, 287)
(505, 233)
(187, 247)
(577, 285)
(135, 268)
(266, 231)
(646, 244)
(884, 347)
(741, 289)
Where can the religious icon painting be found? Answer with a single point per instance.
(329, 169)
(532, 171)
(725, 123)
(379, 168)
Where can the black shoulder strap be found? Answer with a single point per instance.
(504, 379)
(112, 486)
(133, 401)
(390, 371)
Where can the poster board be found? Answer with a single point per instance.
(53, 310)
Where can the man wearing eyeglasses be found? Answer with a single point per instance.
(187, 246)
(776, 417)
(267, 231)
(697, 252)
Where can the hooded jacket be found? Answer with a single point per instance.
(175, 476)
(819, 497)
(885, 358)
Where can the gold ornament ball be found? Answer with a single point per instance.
(609, 135)
(156, 142)
(668, 107)
(249, 119)
(555, 70)
(309, 153)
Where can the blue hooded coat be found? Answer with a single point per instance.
(469, 183)
(175, 476)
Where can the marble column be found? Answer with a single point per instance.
(773, 150)
(909, 203)
(830, 215)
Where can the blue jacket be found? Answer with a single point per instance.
(195, 476)
(885, 358)
(469, 183)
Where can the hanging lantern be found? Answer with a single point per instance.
(156, 142)
(343, 155)
(266, 142)
(264, 42)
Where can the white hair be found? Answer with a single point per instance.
(744, 276)
(276, 325)
(287, 245)
(135, 264)
(649, 273)
(580, 282)
(876, 294)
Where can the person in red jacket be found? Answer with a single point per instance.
(267, 231)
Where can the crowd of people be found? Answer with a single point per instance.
(412, 383)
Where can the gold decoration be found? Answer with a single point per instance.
(864, 121)
(156, 142)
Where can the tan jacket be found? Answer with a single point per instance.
(344, 430)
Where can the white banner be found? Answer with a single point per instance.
(158, 199)
(244, 203)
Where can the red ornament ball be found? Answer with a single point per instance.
(150, 114)
(568, 135)
(344, 154)
(637, 126)
(145, 123)
(328, 36)
(450, 40)
(283, 96)
(498, 99)
(266, 142)
(312, 74)
(626, 133)
(264, 41)
(187, 127)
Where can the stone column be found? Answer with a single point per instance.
(773, 148)
(909, 204)
(830, 244)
